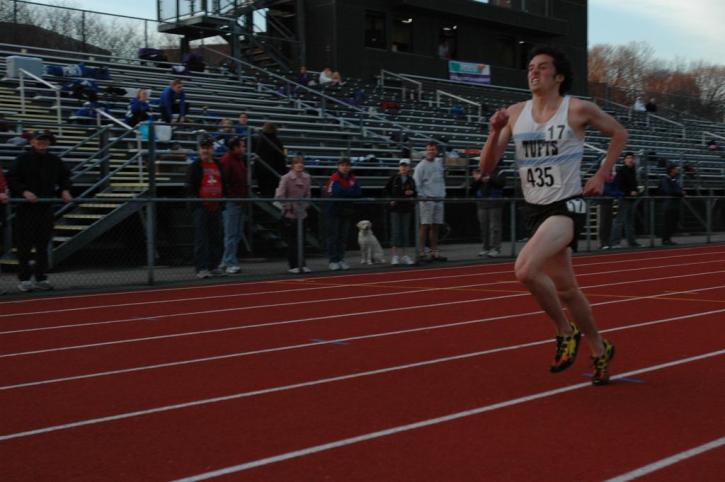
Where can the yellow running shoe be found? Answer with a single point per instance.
(566, 349)
(601, 364)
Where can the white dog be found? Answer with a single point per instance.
(370, 249)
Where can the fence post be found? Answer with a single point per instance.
(652, 206)
(299, 210)
(105, 157)
(151, 206)
(588, 225)
(250, 206)
(418, 247)
(512, 227)
(708, 218)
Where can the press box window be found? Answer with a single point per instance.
(375, 30)
(403, 34)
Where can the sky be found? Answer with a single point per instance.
(688, 30)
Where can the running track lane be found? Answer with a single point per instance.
(193, 440)
(174, 384)
(169, 296)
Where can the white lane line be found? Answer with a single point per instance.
(344, 315)
(348, 339)
(313, 288)
(327, 300)
(429, 422)
(661, 464)
(322, 381)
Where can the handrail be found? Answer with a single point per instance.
(98, 184)
(680, 125)
(83, 142)
(440, 93)
(327, 97)
(449, 81)
(53, 87)
(594, 148)
(383, 72)
(100, 113)
(711, 134)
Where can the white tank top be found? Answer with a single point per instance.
(548, 156)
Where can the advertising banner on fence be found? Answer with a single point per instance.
(469, 72)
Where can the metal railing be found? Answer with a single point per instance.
(443, 93)
(418, 85)
(665, 119)
(53, 87)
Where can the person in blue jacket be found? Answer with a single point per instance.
(173, 101)
(342, 184)
(138, 108)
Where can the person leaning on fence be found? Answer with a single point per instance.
(234, 163)
(138, 108)
(205, 180)
(173, 101)
(343, 185)
(671, 188)
(488, 190)
(401, 185)
(626, 180)
(35, 174)
(430, 181)
(295, 184)
(271, 152)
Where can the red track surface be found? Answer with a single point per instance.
(172, 383)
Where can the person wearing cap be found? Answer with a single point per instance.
(400, 185)
(205, 180)
(33, 175)
(295, 184)
(342, 184)
(234, 162)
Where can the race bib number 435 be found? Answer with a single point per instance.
(541, 176)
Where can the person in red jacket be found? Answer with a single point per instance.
(234, 162)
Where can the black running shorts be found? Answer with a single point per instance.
(574, 208)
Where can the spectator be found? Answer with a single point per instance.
(205, 180)
(336, 79)
(712, 145)
(651, 106)
(606, 206)
(305, 78)
(225, 133)
(235, 172)
(138, 108)
(295, 184)
(342, 184)
(325, 76)
(173, 101)
(241, 126)
(274, 160)
(36, 174)
(401, 185)
(638, 105)
(670, 187)
(626, 181)
(489, 192)
(430, 181)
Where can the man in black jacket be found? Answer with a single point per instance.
(36, 174)
(205, 179)
(670, 186)
(626, 181)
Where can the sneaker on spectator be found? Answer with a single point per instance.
(344, 266)
(335, 267)
(305, 269)
(26, 286)
(395, 260)
(233, 270)
(294, 270)
(494, 253)
(407, 260)
(43, 285)
(483, 253)
(203, 273)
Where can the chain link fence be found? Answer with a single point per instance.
(102, 243)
